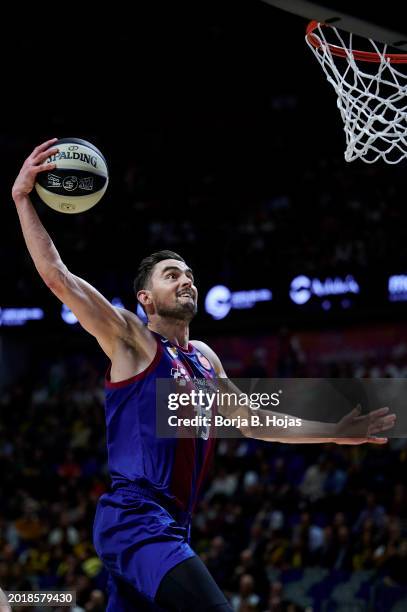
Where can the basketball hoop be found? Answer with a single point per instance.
(371, 90)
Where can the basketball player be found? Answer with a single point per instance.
(142, 526)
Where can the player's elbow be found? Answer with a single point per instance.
(56, 279)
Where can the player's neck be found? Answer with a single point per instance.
(175, 331)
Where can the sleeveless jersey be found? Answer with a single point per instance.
(172, 468)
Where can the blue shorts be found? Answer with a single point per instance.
(139, 541)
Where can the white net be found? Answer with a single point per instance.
(372, 95)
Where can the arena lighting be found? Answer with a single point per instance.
(116, 301)
(69, 317)
(19, 316)
(220, 300)
(397, 288)
(303, 288)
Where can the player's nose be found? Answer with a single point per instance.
(186, 281)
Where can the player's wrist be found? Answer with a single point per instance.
(19, 196)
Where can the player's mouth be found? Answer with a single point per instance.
(186, 294)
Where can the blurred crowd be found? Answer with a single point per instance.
(268, 509)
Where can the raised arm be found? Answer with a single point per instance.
(93, 311)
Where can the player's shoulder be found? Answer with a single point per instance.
(202, 346)
(132, 318)
(136, 329)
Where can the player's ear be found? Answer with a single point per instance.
(144, 297)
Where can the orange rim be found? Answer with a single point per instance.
(363, 56)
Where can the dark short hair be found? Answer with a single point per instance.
(146, 267)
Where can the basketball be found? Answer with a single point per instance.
(79, 179)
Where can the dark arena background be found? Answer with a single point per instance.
(224, 144)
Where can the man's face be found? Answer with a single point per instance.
(172, 290)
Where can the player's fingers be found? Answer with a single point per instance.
(44, 167)
(40, 157)
(379, 412)
(389, 419)
(374, 414)
(383, 424)
(43, 146)
(377, 440)
(356, 411)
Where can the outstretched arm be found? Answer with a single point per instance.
(351, 429)
(41, 248)
(93, 311)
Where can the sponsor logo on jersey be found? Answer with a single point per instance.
(180, 374)
(204, 361)
(172, 351)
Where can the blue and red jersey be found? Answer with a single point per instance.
(172, 467)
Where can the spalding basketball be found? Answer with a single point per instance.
(79, 179)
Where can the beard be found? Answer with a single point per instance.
(181, 311)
